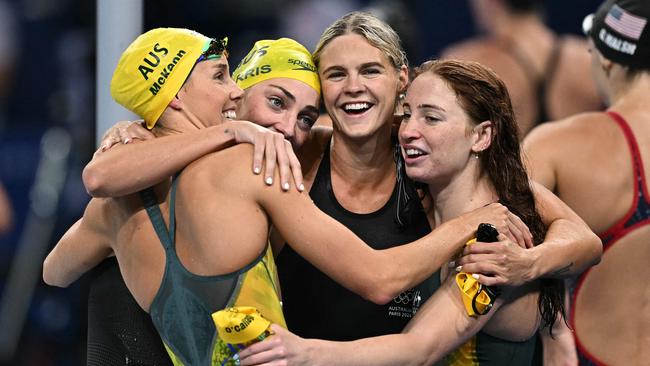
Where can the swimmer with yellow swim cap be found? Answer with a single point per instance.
(287, 105)
(154, 68)
(281, 93)
(281, 88)
(213, 251)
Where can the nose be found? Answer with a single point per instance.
(286, 126)
(353, 84)
(408, 131)
(235, 91)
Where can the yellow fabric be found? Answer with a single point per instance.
(175, 360)
(153, 69)
(240, 324)
(464, 355)
(257, 288)
(469, 287)
(260, 288)
(281, 58)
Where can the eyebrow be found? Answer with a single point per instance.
(431, 106)
(310, 109)
(372, 64)
(363, 66)
(285, 91)
(221, 66)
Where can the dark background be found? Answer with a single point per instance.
(53, 85)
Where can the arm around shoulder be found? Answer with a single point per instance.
(439, 327)
(128, 168)
(377, 275)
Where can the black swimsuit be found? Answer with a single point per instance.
(334, 312)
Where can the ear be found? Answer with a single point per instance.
(403, 79)
(176, 103)
(605, 64)
(482, 135)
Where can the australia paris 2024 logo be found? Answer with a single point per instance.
(406, 304)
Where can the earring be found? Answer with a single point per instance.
(475, 155)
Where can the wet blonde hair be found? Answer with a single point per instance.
(374, 30)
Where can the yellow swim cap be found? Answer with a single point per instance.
(281, 58)
(239, 325)
(153, 68)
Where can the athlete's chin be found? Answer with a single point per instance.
(418, 174)
(360, 130)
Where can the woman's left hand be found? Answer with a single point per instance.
(282, 348)
(498, 263)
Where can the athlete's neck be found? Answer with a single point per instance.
(362, 160)
(460, 194)
(631, 93)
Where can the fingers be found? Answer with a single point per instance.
(509, 224)
(282, 150)
(483, 267)
(276, 153)
(520, 231)
(113, 130)
(269, 151)
(266, 352)
(258, 153)
(490, 281)
(296, 169)
(258, 352)
(108, 142)
(135, 131)
(515, 235)
(124, 132)
(486, 273)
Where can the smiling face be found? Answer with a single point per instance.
(359, 85)
(209, 95)
(287, 106)
(436, 134)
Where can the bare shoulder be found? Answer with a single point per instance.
(230, 163)
(575, 66)
(469, 49)
(575, 46)
(492, 53)
(573, 130)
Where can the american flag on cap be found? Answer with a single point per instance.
(625, 23)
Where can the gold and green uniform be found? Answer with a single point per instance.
(181, 310)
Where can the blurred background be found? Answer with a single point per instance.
(47, 126)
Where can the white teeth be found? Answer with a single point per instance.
(356, 106)
(230, 114)
(413, 152)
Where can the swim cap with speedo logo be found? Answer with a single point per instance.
(153, 69)
(281, 58)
